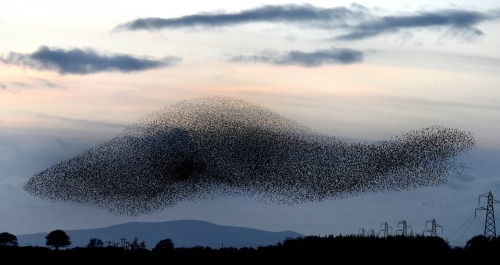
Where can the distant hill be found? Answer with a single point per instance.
(183, 233)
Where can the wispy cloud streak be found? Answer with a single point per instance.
(32, 83)
(81, 122)
(83, 61)
(455, 20)
(306, 14)
(355, 22)
(306, 59)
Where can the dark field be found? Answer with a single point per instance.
(315, 249)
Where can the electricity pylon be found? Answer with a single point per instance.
(489, 222)
(385, 228)
(433, 227)
(404, 230)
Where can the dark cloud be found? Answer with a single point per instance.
(459, 20)
(307, 59)
(304, 14)
(3, 86)
(83, 61)
(355, 22)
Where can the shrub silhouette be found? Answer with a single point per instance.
(164, 245)
(481, 245)
(135, 245)
(95, 242)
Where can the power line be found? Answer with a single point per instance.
(466, 226)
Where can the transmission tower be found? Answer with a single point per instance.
(433, 229)
(385, 229)
(489, 222)
(404, 230)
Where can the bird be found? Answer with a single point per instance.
(209, 147)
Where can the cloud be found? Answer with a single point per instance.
(83, 61)
(355, 22)
(29, 84)
(81, 122)
(304, 14)
(46, 82)
(456, 20)
(307, 59)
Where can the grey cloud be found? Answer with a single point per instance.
(307, 59)
(21, 85)
(355, 22)
(306, 14)
(459, 20)
(83, 61)
(47, 83)
(35, 83)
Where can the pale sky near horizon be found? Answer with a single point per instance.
(74, 74)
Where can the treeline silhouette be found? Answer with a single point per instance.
(324, 249)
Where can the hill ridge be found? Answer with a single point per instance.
(183, 233)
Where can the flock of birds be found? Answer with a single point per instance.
(209, 147)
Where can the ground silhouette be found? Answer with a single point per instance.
(390, 249)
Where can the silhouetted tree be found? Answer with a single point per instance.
(57, 238)
(484, 246)
(8, 240)
(135, 245)
(95, 242)
(164, 245)
(476, 242)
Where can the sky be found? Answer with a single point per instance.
(75, 74)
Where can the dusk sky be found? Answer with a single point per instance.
(74, 74)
